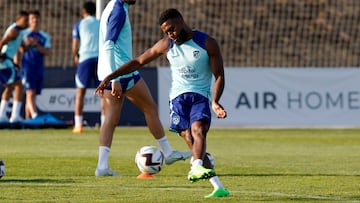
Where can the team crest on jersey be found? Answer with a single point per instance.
(196, 54)
(175, 119)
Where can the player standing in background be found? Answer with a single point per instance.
(85, 48)
(115, 49)
(36, 44)
(9, 75)
(194, 58)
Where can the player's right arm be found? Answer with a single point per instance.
(8, 37)
(149, 55)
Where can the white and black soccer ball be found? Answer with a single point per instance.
(2, 169)
(149, 160)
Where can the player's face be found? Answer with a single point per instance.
(130, 2)
(23, 22)
(34, 21)
(175, 30)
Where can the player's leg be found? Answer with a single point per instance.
(219, 189)
(5, 97)
(17, 101)
(82, 80)
(30, 105)
(208, 163)
(201, 120)
(140, 95)
(96, 80)
(198, 171)
(102, 111)
(7, 77)
(33, 79)
(208, 160)
(78, 113)
(112, 108)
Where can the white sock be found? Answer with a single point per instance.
(34, 115)
(102, 119)
(15, 113)
(103, 157)
(78, 120)
(215, 182)
(3, 106)
(197, 162)
(165, 146)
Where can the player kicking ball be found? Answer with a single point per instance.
(194, 59)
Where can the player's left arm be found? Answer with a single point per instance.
(75, 49)
(217, 66)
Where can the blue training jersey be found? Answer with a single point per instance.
(32, 59)
(115, 40)
(190, 66)
(87, 31)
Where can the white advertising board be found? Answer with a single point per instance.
(282, 97)
(63, 100)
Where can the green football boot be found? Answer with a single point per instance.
(199, 172)
(220, 192)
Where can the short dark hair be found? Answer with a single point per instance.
(35, 12)
(22, 13)
(90, 7)
(170, 13)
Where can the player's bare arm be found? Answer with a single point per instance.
(7, 38)
(75, 50)
(149, 55)
(217, 67)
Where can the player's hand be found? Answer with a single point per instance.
(219, 110)
(100, 89)
(76, 60)
(116, 90)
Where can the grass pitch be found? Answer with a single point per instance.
(256, 165)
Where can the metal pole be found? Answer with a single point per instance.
(99, 8)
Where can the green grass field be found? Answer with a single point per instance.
(256, 165)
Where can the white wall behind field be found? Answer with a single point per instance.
(273, 97)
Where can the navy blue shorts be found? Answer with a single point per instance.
(87, 72)
(128, 82)
(33, 79)
(188, 108)
(9, 75)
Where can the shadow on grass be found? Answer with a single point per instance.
(39, 180)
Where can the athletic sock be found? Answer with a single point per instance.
(34, 115)
(3, 105)
(103, 157)
(78, 120)
(196, 162)
(15, 113)
(165, 146)
(216, 183)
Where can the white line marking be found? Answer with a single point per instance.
(248, 192)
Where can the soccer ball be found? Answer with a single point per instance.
(149, 160)
(2, 169)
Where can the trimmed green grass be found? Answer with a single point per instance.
(256, 165)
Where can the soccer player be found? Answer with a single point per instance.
(85, 48)
(36, 45)
(9, 75)
(115, 49)
(194, 58)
